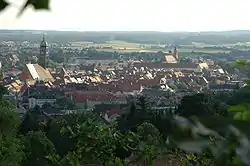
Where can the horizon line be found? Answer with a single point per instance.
(75, 30)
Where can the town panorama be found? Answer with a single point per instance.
(122, 82)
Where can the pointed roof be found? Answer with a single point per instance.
(44, 42)
(36, 72)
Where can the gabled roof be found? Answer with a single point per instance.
(170, 59)
(36, 72)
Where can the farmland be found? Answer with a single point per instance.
(121, 46)
(233, 44)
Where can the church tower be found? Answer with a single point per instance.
(43, 53)
(176, 54)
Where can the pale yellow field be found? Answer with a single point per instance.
(120, 46)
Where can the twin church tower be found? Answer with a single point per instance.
(42, 59)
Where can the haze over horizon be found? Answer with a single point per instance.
(131, 15)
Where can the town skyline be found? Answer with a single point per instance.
(123, 98)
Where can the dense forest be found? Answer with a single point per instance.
(177, 38)
(205, 129)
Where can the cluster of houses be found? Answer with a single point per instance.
(107, 85)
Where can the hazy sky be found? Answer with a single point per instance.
(153, 15)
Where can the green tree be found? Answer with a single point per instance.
(29, 123)
(65, 103)
(139, 112)
(3, 91)
(240, 96)
(37, 148)
(150, 146)
(96, 143)
(9, 141)
(194, 105)
(46, 106)
(62, 142)
(37, 4)
(240, 112)
(201, 104)
(227, 147)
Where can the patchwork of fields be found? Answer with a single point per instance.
(120, 46)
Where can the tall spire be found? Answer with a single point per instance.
(43, 37)
(43, 52)
(44, 43)
(176, 54)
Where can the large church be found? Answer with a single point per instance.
(171, 57)
(38, 71)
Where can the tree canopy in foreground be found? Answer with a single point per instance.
(37, 4)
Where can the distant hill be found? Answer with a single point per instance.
(144, 37)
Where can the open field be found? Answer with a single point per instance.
(120, 46)
(128, 50)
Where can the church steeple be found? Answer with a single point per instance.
(176, 54)
(43, 53)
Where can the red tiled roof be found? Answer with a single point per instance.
(81, 97)
(15, 70)
(107, 87)
(24, 76)
(129, 87)
(115, 86)
(158, 65)
(149, 82)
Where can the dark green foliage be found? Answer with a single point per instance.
(3, 4)
(37, 4)
(138, 113)
(149, 144)
(201, 104)
(11, 151)
(31, 121)
(141, 135)
(222, 148)
(203, 159)
(65, 103)
(46, 106)
(240, 112)
(240, 97)
(242, 63)
(10, 145)
(3, 91)
(9, 121)
(37, 148)
(62, 142)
